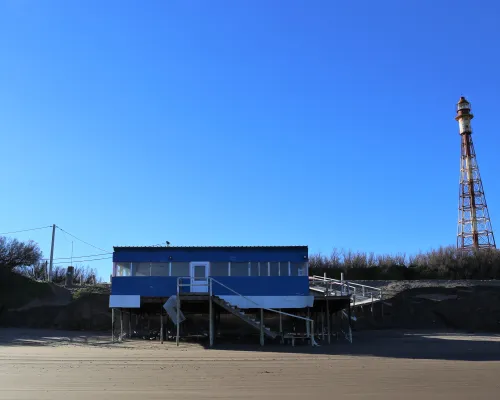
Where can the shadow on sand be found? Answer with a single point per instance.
(46, 337)
(396, 344)
(428, 345)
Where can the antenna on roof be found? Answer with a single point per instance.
(168, 243)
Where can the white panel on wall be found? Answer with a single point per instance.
(124, 301)
(270, 301)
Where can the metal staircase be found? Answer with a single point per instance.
(241, 314)
(214, 298)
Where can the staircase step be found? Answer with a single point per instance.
(247, 318)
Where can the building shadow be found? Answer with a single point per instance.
(394, 344)
(51, 337)
(430, 345)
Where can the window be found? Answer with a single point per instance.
(123, 269)
(284, 268)
(199, 272)
(219, 268)
(298, 269)
(239, 269)
(141, 269)
(180, 269)
(274, 269)
(304, 271)
(254, 269)
(264, 268)
(159, 269)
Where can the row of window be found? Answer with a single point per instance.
(283, 268)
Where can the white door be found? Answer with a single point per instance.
(199, 276)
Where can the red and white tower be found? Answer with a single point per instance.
(474, 225)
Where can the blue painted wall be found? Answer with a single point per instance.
(263, 285)
(165, 286)
(214, 254)
(146, 286)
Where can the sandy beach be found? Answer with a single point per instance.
(379, 365)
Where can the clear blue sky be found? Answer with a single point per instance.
(324, 123)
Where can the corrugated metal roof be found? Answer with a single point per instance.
(207, 247)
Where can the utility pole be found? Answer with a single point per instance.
(52, 251)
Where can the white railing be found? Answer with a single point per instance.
(346, 288)
(209, 281)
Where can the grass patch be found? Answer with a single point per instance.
(81, 292)
(17, 290)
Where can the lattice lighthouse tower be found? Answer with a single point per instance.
(474, 225)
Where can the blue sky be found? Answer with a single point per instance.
(244, 122)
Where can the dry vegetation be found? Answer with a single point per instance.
(443, 263)
(25, 258)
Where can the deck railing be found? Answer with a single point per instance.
(346, 288)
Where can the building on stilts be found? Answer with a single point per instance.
(223, 293)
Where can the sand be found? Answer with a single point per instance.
(379, 365)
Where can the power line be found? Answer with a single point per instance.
(82, 261)
(83, 241)
(90, 255)
(26, 230)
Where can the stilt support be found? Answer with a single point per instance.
(121, 325)
(281, 328)
(372, 306)
(112, 325)
(262, 327)
(129, 323)
(161, 322)
(211, 320)
(308, 323)
(178, 318)
(328, 322)
(349, 322)
(323, 324)
(382, 304)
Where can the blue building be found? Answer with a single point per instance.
(246, 277)
(264, 288)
